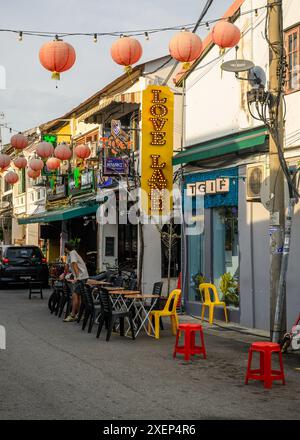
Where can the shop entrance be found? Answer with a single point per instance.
(225, 243)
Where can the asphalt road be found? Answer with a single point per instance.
(54, 370)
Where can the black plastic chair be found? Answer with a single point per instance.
(110, 316)
(157, 289)
(118, 281)
(54, 299)
(132, 284)
(89, 308)
(65, 300)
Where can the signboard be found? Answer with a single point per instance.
(116, 139)
(50, 138)
(115, 166)
(87, 180)
(157, 150)
(81, 181)
(57, 188)
(216, 186)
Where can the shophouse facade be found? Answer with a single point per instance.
(226, 167)
(107, 122)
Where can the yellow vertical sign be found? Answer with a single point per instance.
(157, 150)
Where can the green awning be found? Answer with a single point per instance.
(60, 214)
(218, 147)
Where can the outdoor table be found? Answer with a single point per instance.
(142, 313)
(98, 283)
(120, 294)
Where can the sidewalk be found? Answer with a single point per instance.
(236, 333)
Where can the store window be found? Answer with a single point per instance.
(292, 48)
(226, 252)
(195, 263)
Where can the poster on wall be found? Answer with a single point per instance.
(157, 150)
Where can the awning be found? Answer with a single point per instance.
(60, 214)
(218, 147)
(129, 98)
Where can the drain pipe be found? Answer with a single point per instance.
(281, 291)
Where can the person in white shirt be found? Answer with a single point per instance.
(78, 268)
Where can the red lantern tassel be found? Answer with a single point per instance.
(55, 75)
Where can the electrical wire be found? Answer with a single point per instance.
(136, 32)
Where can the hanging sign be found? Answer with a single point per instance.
(114, 165)
(157, 150)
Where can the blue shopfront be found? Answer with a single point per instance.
(211, 238)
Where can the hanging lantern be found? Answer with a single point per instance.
(18, 141)
(53, 163)
(82, 151)
(36, 164)
(11, 177)
(4, 162)
(185, 47)
(225, 34)
(44, 149)
(126, 51)
(57, 56)
(33, 174)
(20, 162)
(63, 152)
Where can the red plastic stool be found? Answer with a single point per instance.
(189, 348)
(265, 372)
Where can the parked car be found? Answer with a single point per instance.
(21, 264)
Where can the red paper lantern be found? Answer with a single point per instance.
(226, 34)
(57, 56)
(18, 141)
(44, 149)
(11, 177)
(20, 162)
(4, 161)
(63, 152)
(82, 151)
(185, 47)
(36, 164)
(53, 163)
(33, 174)
(126, 51)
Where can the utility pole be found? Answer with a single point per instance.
(277, 211)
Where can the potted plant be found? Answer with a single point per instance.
(229, 289)
(198, 279)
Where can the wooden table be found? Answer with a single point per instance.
(98, 283)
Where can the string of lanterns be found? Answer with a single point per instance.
(46, 156)
(58, 56)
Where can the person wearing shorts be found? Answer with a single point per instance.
(78, 268)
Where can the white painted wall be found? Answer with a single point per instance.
(215, 100)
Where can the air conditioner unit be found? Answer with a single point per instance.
(255, 177)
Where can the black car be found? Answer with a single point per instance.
(21, 264)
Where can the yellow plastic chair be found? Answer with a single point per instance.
(206, 287)
(157, 314)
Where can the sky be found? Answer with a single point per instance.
(30, 96)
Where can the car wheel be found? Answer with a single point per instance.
(2, 285)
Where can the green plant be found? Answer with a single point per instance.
(198, 279)
(229, 289)
(75, 242)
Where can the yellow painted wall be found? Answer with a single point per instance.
(63, 133)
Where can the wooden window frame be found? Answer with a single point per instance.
(288, 33)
